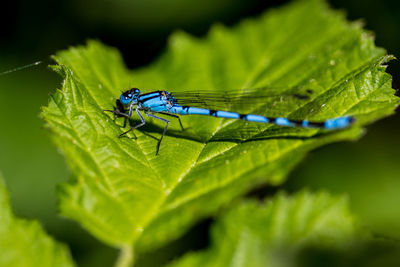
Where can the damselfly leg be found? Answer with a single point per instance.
(165, 129)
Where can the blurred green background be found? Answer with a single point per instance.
(367, 170)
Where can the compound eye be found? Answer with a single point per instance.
(124, 99)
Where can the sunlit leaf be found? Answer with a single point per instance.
(124, 194)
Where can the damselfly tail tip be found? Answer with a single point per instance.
(339, 123)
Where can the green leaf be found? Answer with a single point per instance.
(24, 243)
(124, 194)
(271, 233)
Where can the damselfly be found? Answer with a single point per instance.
(207, 103)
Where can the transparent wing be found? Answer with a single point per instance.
(244, 99)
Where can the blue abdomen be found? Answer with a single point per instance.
(182, 110)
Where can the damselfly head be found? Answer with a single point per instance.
(129, 96)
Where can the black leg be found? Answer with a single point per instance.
(165, 129)
(136, 126)
(175, 116)
(119, 109)
(125, 121)
(118, 113)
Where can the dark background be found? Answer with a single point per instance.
(367, 170)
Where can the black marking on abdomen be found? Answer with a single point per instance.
(316, 124)
(213, 112)
(186, 108)
(243, 116)
(299, 123)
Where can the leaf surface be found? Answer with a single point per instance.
(124, 194)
